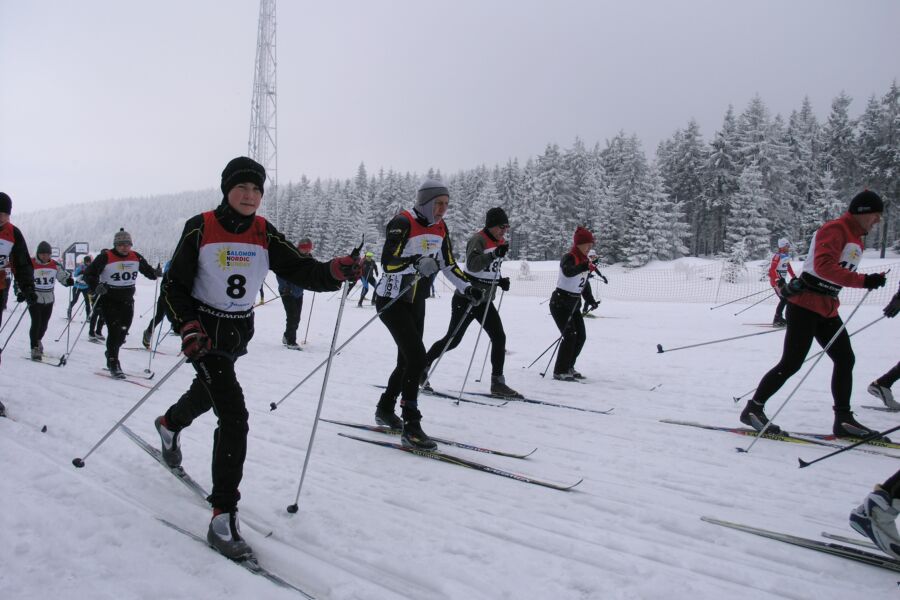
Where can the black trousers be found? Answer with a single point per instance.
(160, 313)
(406, 323)
(803, 326)
(293, 307)
(96, 320)
(216, 386)
(87, 303)
(889, 378)
(40, 318)
(570, 323)
(118, 314)
(492, 325)
(779, 311)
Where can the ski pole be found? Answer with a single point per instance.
(660, 350)
(741, 397)
(547, 349)
(488, 350)
(79, 462)
(70, 349)
(447, 344)
(312, 436)
(737, 299)
(840, 330)
(754, 304)
(68, 324)
(309, 317)
(865, 440)
(153, 322)
(274, 405)
(16, 326)
(487, 306)
(10, 316)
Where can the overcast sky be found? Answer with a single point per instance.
(111, 98)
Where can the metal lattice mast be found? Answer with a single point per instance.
(263, 144)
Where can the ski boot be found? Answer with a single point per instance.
(224, 536)
(847, 426)
(168, 442)
(567, 376)
(754, 416)
(292, 344)
(884, 393)
(412, 435)
(779, 322)
(875, 517)
(385, 416)
(36, 353)
(115, 369)
(145, 338)
(499, 388)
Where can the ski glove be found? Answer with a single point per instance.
(29, 297)
(194, 341)
(426, 265)
(592, 306)
(794, 287)
(346, 268)
(100, 290)
(69, 282)
(874, 281)
(503, 284)
(893, 307)
(501, 250)
(474, 294)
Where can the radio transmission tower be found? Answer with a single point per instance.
(263, 144)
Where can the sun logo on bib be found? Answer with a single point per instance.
(229, 259)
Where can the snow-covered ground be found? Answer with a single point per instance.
(376, 523)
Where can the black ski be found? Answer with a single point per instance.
(143, 384)
(544, 402)
(251, 563)
(849, 540)
(189, 481)
(781, 437)
(389, 431)
(883, 408)
(829, 437)
(462, 462)
(848, 552)
(432, 392)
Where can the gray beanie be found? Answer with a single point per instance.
(425, 195)
(122, 237)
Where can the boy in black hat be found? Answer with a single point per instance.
(221, 260)
(834, 255)
(484, 253)
(46, 273)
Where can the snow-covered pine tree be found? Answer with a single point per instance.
(838, 144)
(747, 223)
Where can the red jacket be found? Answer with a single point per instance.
(834, 255)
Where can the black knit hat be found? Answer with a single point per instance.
(866, 202)
(5, 203)
(44, 248)
(495, 216)
(243, 170)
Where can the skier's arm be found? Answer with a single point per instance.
(448, 264)
(773, 272)
(829, 246)
(93, 270)
(179, 281)
(476, 258)
(287, 262)
(570, 268)
(145, 268)
(394, 242)
(21, 263)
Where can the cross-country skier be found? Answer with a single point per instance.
(417, 244)
(292, 300)
(80, 289)
(484, 253)
(112, 277)
(46, 273)
(812, 313)
(571, 287)
(370, 276)
(220, 262)
(779, 269)
(160, 313)
(14, 254)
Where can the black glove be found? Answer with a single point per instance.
(158, 270)
(794, 287)
(600, 275)
(474, 294)
(426, 266)
(893, 307)
(194, 341)
(873, 281)
(100, 290)
(503, 283)
(501, 250)
(346, 268)
(69, 282)
(780, 283)
(591, 306)
(29, 297)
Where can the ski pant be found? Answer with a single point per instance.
(802, 327)
(87, 301)
(96, 319)
(889, 378)
(779, 311)
(492, 325)
(406, 323)
(4, 297)
(571, 325)
(293, 307)
(118, 313)
(216, 386)
(40, 318)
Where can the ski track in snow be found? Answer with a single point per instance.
(377, 523)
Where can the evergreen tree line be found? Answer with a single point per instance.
(760, 178)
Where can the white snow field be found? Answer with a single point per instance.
(376, 523)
